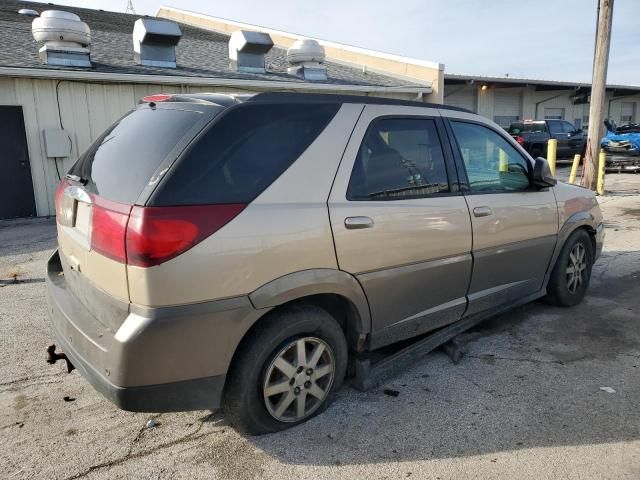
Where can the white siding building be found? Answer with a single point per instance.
(505, 100)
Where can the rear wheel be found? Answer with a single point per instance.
(287, 370)
(570, 277)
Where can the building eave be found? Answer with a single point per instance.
(79, 75)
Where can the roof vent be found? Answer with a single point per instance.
(247, 51)
(154, 42)
(306, 57)
(28, 12)
(65, 38)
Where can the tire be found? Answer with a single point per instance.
(273, 348)
(571, 274)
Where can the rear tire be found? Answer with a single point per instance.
(571, 274)
(287, 371)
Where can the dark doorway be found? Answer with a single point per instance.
(16, 187)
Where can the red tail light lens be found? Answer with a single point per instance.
(158, 97)
(157, 234)
(108, 228)
(520, 139)
(58, 198)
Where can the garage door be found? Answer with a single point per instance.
(465, 98)
(507, 104)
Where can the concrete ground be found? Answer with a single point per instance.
(525, 402)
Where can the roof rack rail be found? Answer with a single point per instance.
(288, 97)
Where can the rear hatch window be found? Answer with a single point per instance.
(533, 127)
(242, 153)
(125, 158)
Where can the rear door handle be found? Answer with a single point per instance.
(482, 211)
(354, 223)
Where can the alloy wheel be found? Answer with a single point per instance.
(576, 268)
(299, 379)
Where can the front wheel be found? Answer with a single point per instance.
(570, 277)
(287, 370)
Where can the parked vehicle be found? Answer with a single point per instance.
(236, 253)
(533, 135)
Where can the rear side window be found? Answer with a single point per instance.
(399, 158)
(123, 159)
(243, 152)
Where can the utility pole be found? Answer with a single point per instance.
(130, 8)
(598, 89)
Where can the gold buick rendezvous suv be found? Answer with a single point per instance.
(233, 252)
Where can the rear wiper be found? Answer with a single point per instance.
(76, 178)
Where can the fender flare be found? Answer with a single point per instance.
(575, 221)
(297, 285)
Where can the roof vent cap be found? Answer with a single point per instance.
(28, 12)
(247, 51)
(154, 42)
(65, 38)
(306, 58)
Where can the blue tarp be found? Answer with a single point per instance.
(633, 138)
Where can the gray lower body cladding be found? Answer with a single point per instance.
(163, 359)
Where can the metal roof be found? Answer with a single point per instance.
(532, 81)
(200, 53)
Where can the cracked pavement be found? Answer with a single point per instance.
(524, 401)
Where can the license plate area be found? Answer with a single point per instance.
(76, 215)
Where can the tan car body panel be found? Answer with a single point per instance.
(284, 230)
(414, 262)
(106, 274)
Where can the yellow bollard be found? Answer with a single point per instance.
(601, 162)
(574, 168)
(552, 146)
(504, 161)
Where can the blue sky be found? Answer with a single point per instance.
(548, 39)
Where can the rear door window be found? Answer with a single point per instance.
(399, 158)
(242, 153)
(120, 163)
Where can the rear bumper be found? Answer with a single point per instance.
(196, 394)
(158, 360)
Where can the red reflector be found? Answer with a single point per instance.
(58, 198)
(158, 97)
(108, 227)
(520, 139)
(157, 234)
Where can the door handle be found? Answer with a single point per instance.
(355, 223)
(482, 211)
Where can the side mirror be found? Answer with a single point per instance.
(542, 176)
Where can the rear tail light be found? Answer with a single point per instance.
(58, 199)
(108, 228)
(158, 234)
(520, 139)
(147, 236)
